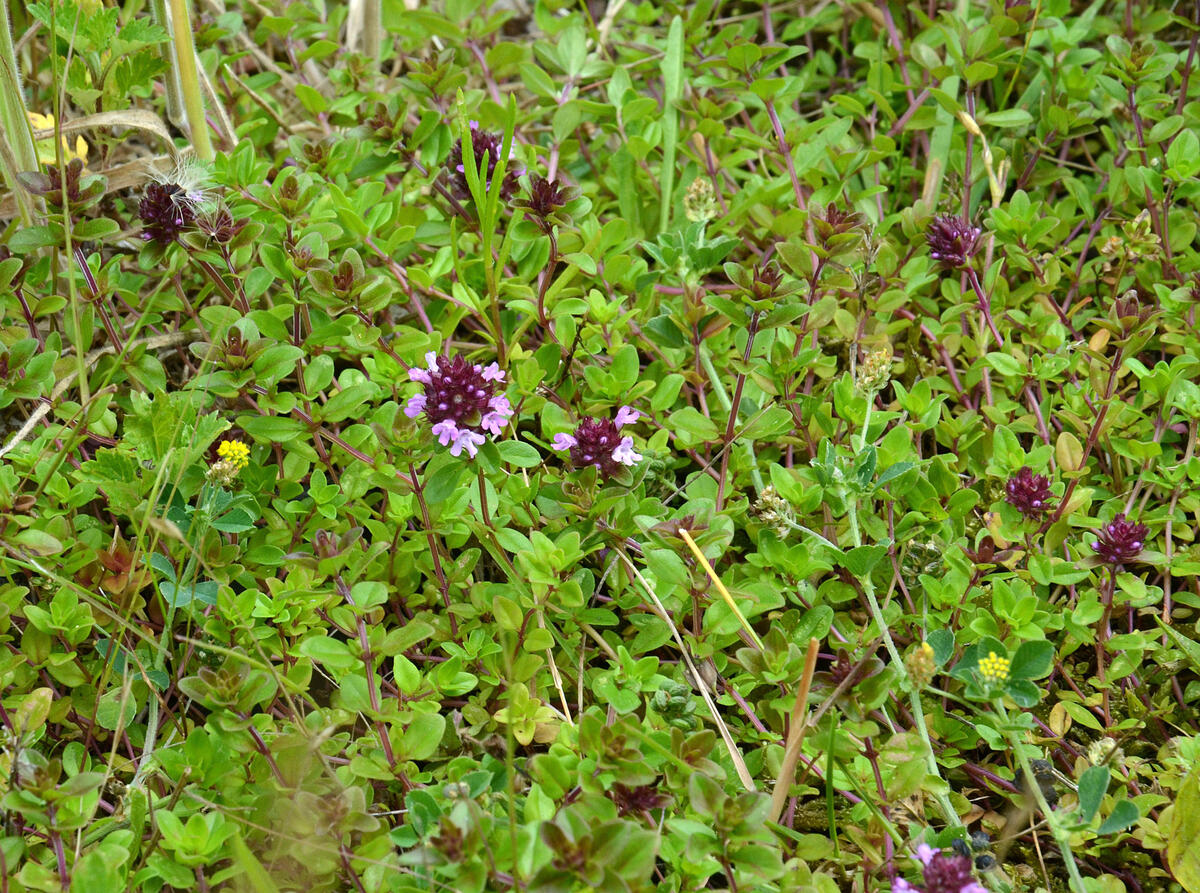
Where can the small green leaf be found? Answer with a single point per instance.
(1183, 834)
(861, 561)
(1123, 816)
(1093, 784)
(507, 613)
(329, 652)
(942, 642)
(1005, 364)
(1190, 648)
(422, 737)
(1032, 660)
(519, 453)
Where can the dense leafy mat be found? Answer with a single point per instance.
(700, 447)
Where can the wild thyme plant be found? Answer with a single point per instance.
(528, 447)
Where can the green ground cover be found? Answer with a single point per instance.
(599, 447)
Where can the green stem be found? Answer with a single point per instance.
(189, 79)
(949, 813)
(20, 153)
(201, 521)
(727, 405)
(372, 29)
(1061, 835)
(171, 86)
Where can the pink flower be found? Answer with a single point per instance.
(626, 415)
(462, 400)
(941, 874)
(598, 442)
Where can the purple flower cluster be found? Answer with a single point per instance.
(599, 442)
(1029, 492)
(482, 141)
(166, 211)
(1120, 540)
(952, 240)
(941, 874)
(461, 401)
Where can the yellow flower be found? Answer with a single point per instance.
(921, 665)
(994, 668)
(235, 453)
(45, 146)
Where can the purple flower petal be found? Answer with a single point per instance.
(493, 422)
(563, 442)
(624, 452)
(467, 440)
(416, 406)
(626, 415)
(446, 431)
(493, 373)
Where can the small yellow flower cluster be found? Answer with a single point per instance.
(235, 453)
(921, 665)
(234, 456)
(994, 668)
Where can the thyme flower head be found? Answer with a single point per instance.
(166, 211)
(952, 240)
(482, 141)
(941, 874)
(1029, 493)
(1120, 540)
(546, 200)
(598, 442)
(461, 399)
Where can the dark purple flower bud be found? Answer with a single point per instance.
(50, 185)
(766, 281)
(952, 240)
(482, 142)
(461, 400)
(1132, 310)
(1029, 493)
(634, 800)
(546, 197)
(599, 442)
(1120, 540)
(344, 278)
(166, 211)
(838, 230)
(219, 225)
